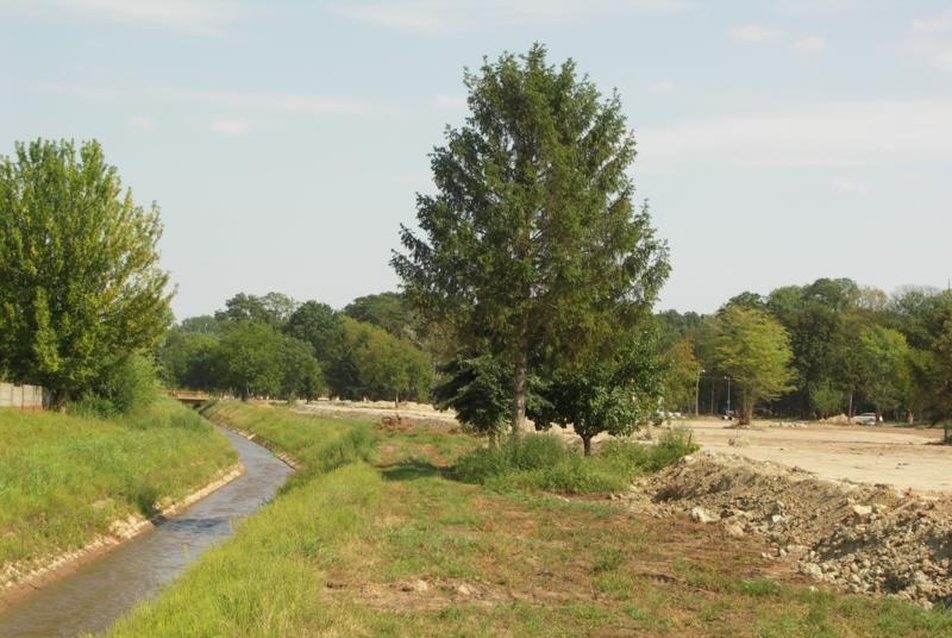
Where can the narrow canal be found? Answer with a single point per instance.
(93, 597)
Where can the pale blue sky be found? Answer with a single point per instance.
(779, 141)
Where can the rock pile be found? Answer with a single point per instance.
(861, 538)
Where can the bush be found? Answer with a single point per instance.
(546, 462)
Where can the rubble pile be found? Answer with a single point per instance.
(860, 538)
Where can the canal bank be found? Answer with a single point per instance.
(88, 595)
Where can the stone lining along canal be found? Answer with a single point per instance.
(94, 596)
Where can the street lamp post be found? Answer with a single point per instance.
(697, 392)
(729, 398)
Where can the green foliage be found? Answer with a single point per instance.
(614, 392)
(753, 349)
(317, 445)
(477, 389)
(80, 283)
(387, 310)
(273, 309)
(827, 400)
(884, 367)
(318, 324)
(531, 244)
(682, 372)
(546, 462)
(251, 357)
(191, 360)
(129, 386)
(372, 363)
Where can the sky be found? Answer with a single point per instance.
(778, 141)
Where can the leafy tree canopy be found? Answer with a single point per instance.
(531, 244)
(80, 284)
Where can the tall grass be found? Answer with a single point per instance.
(407, 552)
(318, 445)
(547, 462)
(268, 580)
(64, 479)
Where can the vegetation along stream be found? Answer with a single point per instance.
(90, 599)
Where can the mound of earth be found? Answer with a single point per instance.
(860, 538)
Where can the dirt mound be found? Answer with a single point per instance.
(861, 538)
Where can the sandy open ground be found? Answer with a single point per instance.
(905, 458)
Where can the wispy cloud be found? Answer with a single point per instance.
(661, 88)
(231, 127)
(851, 187)
(235, 101)
(205, 16)
(932, 40)
(834, 134)
(810, 45)
(452, 15)
(141, 122)
(939, 24)
(755, 33)
(449, 103)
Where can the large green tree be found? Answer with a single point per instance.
(531, 244)
(753, 349)
(80, 282)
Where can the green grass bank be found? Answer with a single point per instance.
(417, 531)
(64, 479)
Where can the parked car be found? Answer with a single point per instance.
(866, 418)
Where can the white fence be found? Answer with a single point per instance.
(25, 397)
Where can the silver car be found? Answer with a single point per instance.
(866, 418)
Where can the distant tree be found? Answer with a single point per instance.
(753, 349)
(186, 360)
(318, 324)
(80, 284)
(274, 309)
(252, 359)
(371, 363)
(884, 368)
(937, 380)
(748, 300)
(675, 327)
(302, 376)
(531, 245)
(681, 377)
(827, 399)
(387, 310)
(203, 324)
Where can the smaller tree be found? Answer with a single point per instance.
(753, 349)
(614, 393)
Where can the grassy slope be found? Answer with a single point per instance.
(63, 479)
(401, 549)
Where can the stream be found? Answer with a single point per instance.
(94, 596)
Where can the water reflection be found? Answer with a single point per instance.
(90, 599)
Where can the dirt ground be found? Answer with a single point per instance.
(904, 458)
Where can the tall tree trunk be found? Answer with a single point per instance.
(520, 385)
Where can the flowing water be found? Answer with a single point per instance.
(93, 597)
